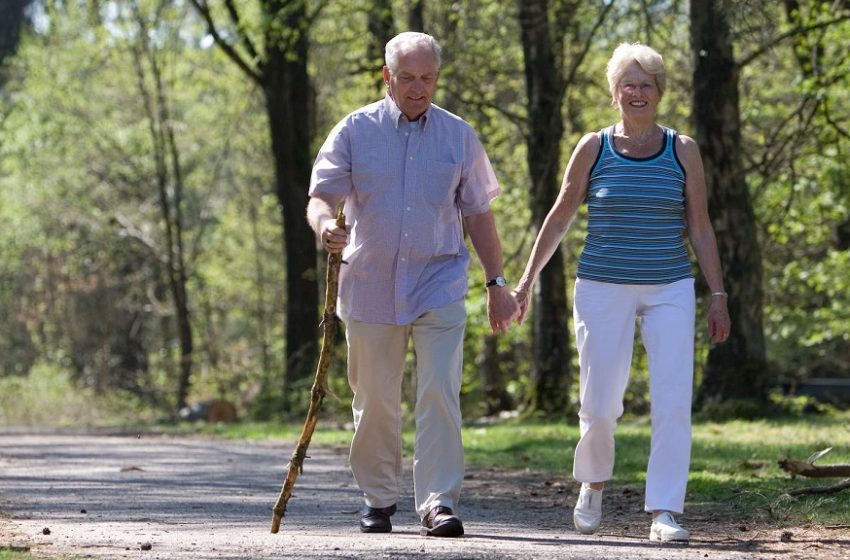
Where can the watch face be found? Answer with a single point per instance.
(501, 281)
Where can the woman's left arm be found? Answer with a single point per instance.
(702, 239)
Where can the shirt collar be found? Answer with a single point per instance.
(396, 115)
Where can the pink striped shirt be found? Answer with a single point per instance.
(406, 186)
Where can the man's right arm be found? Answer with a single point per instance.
(321, 215)
(330, 182)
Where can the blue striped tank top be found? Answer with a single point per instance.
(636, 217)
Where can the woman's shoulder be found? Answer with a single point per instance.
(681, 139)
(686, 151)
(591, 141)
(586, 151)
(685, 145)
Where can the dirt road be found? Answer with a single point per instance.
(157, 497)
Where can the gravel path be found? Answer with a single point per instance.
(175, 498)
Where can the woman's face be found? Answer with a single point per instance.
(637, 93)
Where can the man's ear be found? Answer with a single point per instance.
(386, 75)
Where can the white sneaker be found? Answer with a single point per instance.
(587, 515)
(665, 529)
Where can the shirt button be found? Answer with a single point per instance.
(408, 208)
(405, 235)
(411, 157)
(403, 259)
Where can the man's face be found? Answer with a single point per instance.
(413, 84)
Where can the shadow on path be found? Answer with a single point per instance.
(190, 498)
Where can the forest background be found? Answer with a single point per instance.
(155, 157)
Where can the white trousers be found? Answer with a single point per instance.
(604, 315)
(376, 355)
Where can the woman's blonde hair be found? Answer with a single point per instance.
(648, 59)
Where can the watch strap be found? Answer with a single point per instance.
(497, 281)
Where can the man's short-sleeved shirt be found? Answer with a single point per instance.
(406, 187)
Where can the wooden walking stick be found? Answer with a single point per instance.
(320, 385)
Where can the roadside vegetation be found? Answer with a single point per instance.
(154, 250)
(734, 461)
(19, 553)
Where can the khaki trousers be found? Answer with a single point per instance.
(376, 355)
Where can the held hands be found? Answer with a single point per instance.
(523, 300)
(334, 239)
(502, 308)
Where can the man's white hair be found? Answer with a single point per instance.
(408, 41)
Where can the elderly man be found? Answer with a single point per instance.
(411, 175)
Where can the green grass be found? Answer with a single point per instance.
(733, 464)
(324, 434)
(20, 553)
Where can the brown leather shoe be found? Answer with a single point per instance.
(441, 522)
(377, 520)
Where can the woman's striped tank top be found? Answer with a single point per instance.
(636, 217)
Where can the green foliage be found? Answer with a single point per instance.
(784, 406)
(796, 146)
(49, 396)
(733, 408)
(23, 553)
(82, 286)
(15, 553)
(91, 225)
(734, 464)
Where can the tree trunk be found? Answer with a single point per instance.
(169, 178)
(545, 89)
(381, 30)
(259, 290)
(177, 261)
(736, 369)
(12, 19)
(496, 398)
(416, 15)
(282, 73)
(288, 102)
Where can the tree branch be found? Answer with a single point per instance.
(803, 468)
(237, 22)
(790, 33)
(835, 125)
(843, 485)
(203, 9)
(578, 59)
(514, 118)
(311, 17)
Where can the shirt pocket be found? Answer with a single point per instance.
(439, 183)
(369, 172)
(439, 188)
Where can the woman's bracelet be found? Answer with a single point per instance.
(719, 294)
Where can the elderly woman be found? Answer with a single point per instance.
(645, 191)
